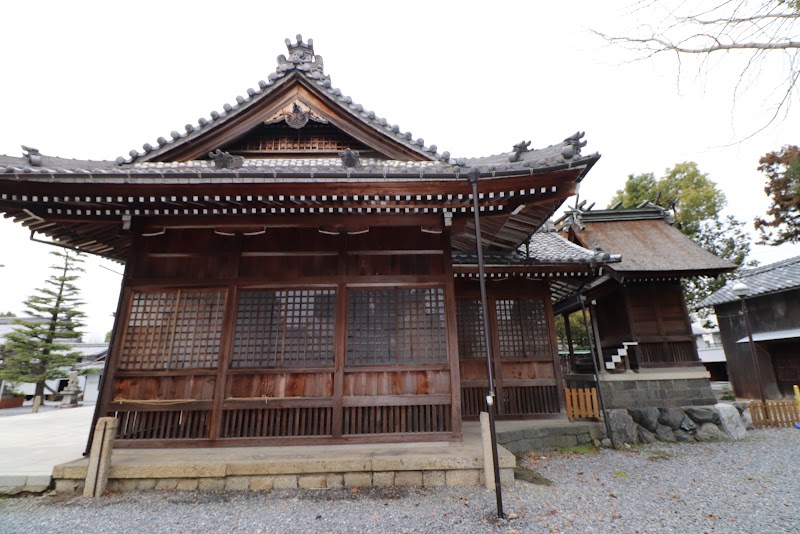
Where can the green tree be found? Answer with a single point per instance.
(36, 348)
(696, 206)
(782, 168)
(577, 328)
(7, 314)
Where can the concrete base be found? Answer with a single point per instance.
(652, 388)
(265, 468)
(13, 484)
(523, 436)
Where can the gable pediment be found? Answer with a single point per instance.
(294, 119)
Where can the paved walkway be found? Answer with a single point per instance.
(32, 444)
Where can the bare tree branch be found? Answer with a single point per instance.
(766, 28)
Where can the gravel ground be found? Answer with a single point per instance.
(747, 486)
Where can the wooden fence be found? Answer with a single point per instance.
(777, 414)
(582, 403)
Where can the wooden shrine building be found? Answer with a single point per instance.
(639, 316)
(300, 270)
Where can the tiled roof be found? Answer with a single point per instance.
(545, 248)
(303, 62)
(7, 324)
(547, 158)
(776, 277)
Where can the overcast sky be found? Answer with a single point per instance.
(94, 80)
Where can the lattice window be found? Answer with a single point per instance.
(523, 329)
(471, 338)
(284, 328)
(173, 329)
(395, 326)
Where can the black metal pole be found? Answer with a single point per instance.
(754, 356)
(474, 176)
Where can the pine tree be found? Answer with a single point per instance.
(36, 351)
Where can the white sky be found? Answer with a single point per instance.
(96, 79)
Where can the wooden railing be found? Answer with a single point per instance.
(666, 354)
(582, 403)
(776, 414)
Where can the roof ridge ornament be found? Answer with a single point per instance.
(224, 160)
(33, 155)
(519, 149)
(350, 159)
(302, 58)
(573, 145)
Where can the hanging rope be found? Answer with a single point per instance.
(155, 402)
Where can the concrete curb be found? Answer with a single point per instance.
(14, 484)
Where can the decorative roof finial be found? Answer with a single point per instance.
(34, 158)
(302, 58)
(519, 149)
(350, 159)
(224, 160)
(573, 145)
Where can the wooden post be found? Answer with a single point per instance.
(100, 457)
(570, 344)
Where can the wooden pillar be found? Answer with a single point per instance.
(601, 364)
(452, 335)
(551, 327)
(570, 346)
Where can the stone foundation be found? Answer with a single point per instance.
(548, 438)
(658, 393)
(722, 422)
(650, 388)
(426, 479)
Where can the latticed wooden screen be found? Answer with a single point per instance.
(471, 337)
(284, 328)
(396, 326)
(523, 329)
(175, 329)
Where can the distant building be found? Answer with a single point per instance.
(711, 353)
(92, 358)
(774, 309)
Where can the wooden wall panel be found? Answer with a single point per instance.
(285, 241)
(394, 264)
(164, 388)
(519, 370)
(199, 268)
(411, 394)
(375, 383)
(255, 386)
(473, 369)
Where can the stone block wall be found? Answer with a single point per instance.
(658, 393)
(551, 437)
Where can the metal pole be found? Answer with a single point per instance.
(754, 356)
(473, 177)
